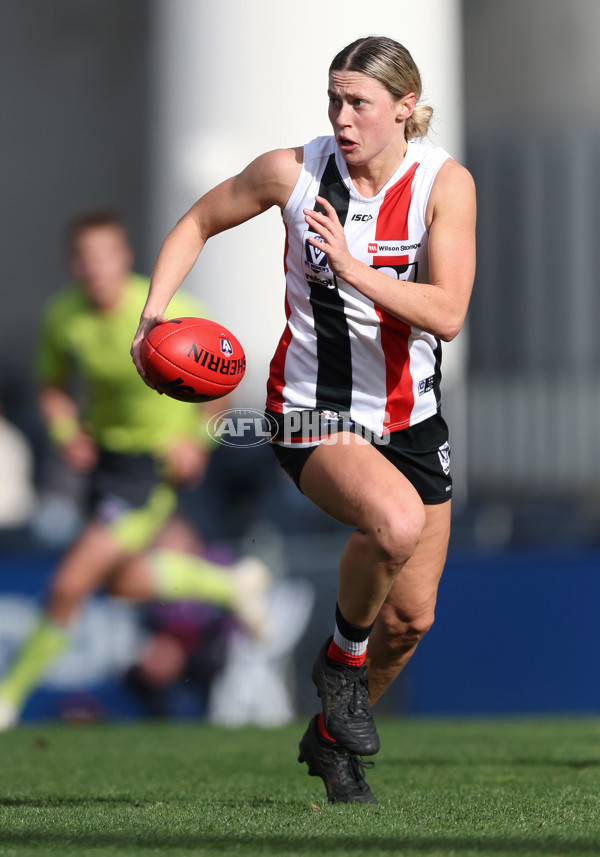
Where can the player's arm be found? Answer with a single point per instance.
(266, 182)
(440, 305)
(58, 409)
(61, 418)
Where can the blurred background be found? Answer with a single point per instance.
(143, 106)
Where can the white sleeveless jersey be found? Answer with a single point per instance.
(339, 350)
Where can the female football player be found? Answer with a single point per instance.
(379, 261)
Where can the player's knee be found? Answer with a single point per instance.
(398, 538)
(117, 587)
(67, 591)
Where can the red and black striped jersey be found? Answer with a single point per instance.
(340, 351)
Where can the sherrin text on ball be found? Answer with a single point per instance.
(194, 359)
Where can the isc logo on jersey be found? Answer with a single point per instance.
(314, 257)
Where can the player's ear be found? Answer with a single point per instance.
(405, 107)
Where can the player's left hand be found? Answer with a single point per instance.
(186, 462)
(332, 239)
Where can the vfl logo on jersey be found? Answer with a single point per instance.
(226, 346)
(314, 257)
(444, 454)
(390, 248)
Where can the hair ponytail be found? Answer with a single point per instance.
(417, 125)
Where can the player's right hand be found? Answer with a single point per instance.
(145, 326)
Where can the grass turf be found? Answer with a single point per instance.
(446, 787)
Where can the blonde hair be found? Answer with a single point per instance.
(391, 64)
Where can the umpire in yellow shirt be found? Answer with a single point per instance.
(137, 447)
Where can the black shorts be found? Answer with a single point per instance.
(121, 482)
(129, 495)
(420, 452)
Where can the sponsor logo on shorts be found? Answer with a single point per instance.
(444, 456)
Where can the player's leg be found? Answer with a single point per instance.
(173, 568)
(409, 609)
(404, 618)
(170, 574)
(82, 570)
(128, 507)
(354, 483)
(108, 550)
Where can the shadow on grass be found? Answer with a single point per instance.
(581, 846)
(491, 762)
(53, 802)
(49, 802)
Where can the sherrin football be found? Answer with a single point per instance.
(193, 359)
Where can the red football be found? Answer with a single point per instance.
(194, 359)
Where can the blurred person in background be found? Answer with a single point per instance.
(136, 448)
(17, 488)
(186, 642)
(379, 261)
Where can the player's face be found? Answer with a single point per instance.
(101, 260)
(367, 122)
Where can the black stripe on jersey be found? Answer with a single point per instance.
(334, 358)
(437, 375)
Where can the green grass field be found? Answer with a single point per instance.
(446, 787)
